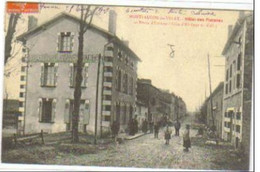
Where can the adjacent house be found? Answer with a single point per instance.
(237, 100)
(217, 101)
(49, 69)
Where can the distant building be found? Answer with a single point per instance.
(238, 83)
(160, 103)
(48, 77)
(141, 112)
(11, 124)
(217, 102)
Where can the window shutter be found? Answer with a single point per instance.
(59, 44)
(40, 109)
(53, 111)
(71, 41)
(71, 74)
(42, 74)
(85, 75)
(86, 112)
(67, 111)
(55, 73)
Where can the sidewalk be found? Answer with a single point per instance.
(125, 136)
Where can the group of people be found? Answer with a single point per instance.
(154, 128)
(168, 133)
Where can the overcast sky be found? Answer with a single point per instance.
(186, 73)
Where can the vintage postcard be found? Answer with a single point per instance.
(127, 86)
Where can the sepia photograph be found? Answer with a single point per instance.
(127, 86)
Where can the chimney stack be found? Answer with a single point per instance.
(112, 22)
(32, 22)
(230, 27)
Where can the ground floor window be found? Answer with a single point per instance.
(47, 110)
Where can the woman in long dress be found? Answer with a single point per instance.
(186, 138)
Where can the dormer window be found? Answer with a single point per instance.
(65, 41)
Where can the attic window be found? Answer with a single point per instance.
(65, 42)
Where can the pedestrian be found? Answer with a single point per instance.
(156, 130)
(186, 138)
(131, 127)
(135, 125)
(167, 135)
(177, 128)
(151, 126)
(115, 129)
(144, 126)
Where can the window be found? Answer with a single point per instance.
(226, 88)
(238, 80)
(23, 68)
(238, 128)
(22, 78)
(47, 110)
(131, 86)
(119, 80)
(107, 108)
(229, 125)
(230, 71)
(21, 94)
(49, 74)
(107, 118)
(21, 86)
(238, 115)
(119, 55)
(65, 42)
(227, 75)
(239, 61)
(73, 72)
(230, 86)
(125, 83)
(20, 104)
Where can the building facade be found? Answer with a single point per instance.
(238, 52)
(48, 77)
(160, 103)
(217, 102)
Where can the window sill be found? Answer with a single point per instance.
(49, 86)
(81, 87)
(43, 122)
(64, 51)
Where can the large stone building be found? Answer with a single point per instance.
(217, 101)
(238, 52)
(48, 76)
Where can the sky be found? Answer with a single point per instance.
(149, 36)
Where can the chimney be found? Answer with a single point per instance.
(230, 27)
(32, 22)
(112, 22)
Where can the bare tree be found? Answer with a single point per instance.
(10, 34)
(86, 17)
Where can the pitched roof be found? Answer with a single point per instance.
(61, 15)
(237, 27)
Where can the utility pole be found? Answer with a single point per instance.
(96, 112)
(211, 104)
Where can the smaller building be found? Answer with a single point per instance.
(217, 109)
(11, 124)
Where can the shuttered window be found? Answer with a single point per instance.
(47, 110)
(73, 72)
(65, 41)
(49, 74)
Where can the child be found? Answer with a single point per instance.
(167, 135)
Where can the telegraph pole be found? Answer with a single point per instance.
(211, 104)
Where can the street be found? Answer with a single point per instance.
(147, 152)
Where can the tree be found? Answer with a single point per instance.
(13, 19)
(86, 17)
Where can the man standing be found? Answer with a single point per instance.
(156, 130)
(177, 128)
